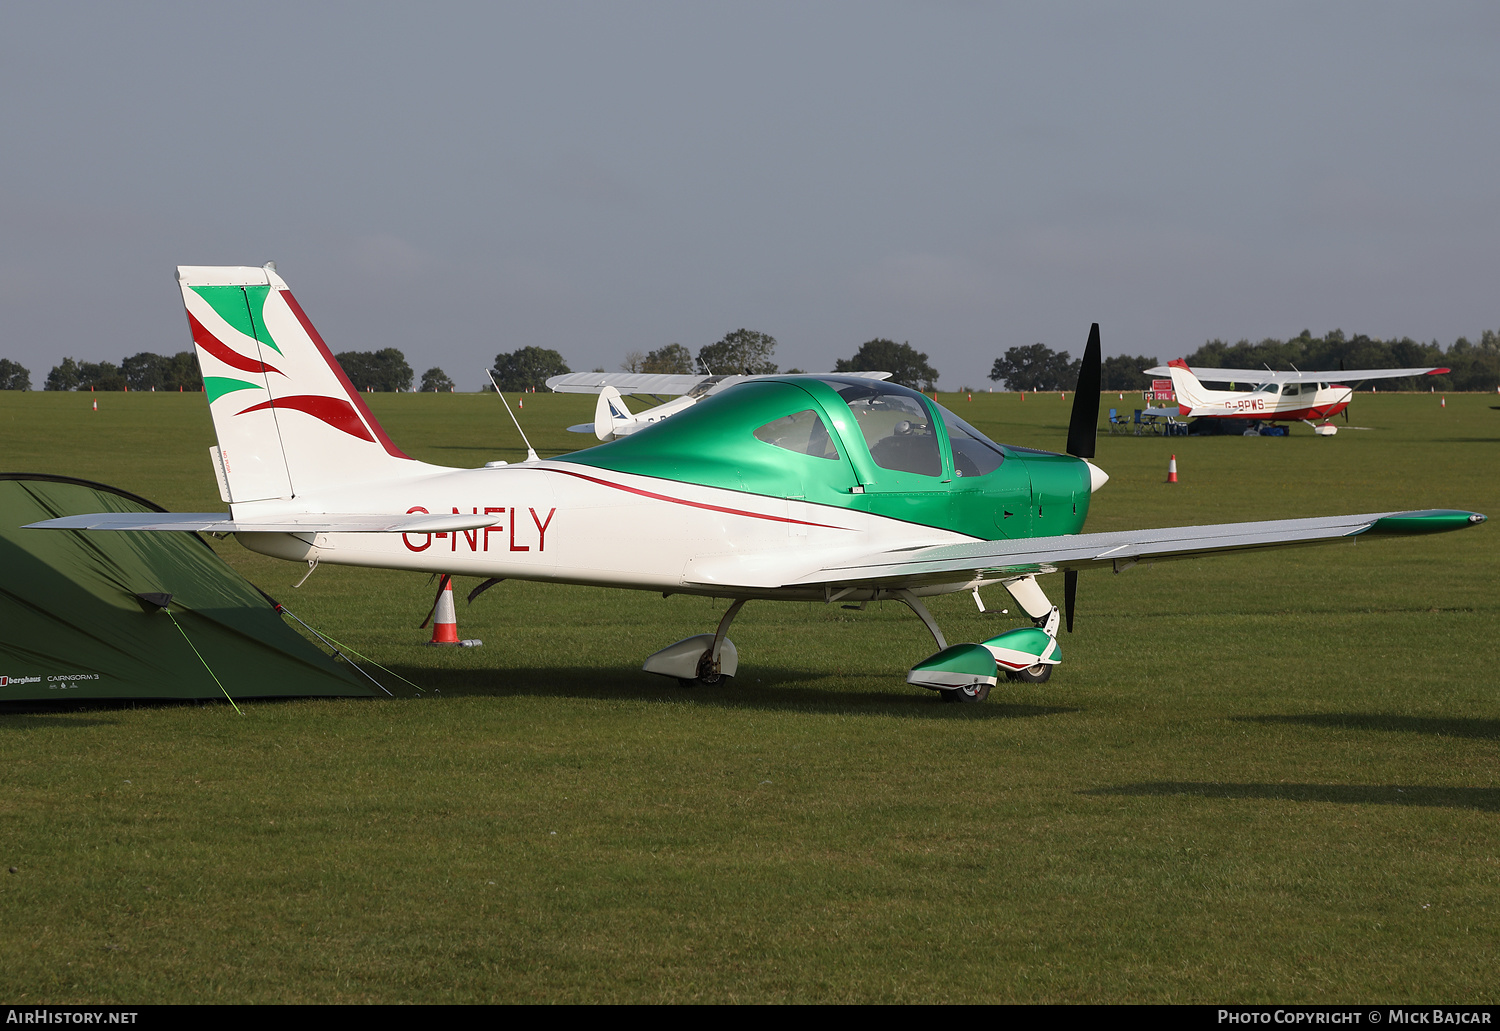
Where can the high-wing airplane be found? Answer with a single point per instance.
(828, 488)
(1277, 396)
(613, 419)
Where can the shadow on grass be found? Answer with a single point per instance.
(1440, 726)
(1484, 799)
(770, 690)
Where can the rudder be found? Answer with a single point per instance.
(287, 418)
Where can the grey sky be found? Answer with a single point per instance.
(457, 180)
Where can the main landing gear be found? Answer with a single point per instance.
(706, 659)
(960, 673)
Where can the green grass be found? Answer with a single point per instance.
(1267, 777)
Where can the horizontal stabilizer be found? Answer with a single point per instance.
(219, 522)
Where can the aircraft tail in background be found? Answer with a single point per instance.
(288, 420)
(1190, 391)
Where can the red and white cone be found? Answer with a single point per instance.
(1444, 403)
(1172, 469)
(96, 406)
(445, 618)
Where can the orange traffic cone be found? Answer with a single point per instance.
(96, 406)
(445, 619)
(1172, 469)
(521, 402)
(1444, 403)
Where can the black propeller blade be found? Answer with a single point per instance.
(1083, 428)
(1083, 432)
(1070, 594)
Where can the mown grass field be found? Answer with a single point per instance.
(1269, 777)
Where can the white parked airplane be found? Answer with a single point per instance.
(1277, 397)
(828, 488)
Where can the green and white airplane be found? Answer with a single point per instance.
(828, 488)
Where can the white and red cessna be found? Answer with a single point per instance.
(1278, 396)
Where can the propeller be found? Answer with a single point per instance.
(1083, 428)
(1070, 595)
(1083, 432)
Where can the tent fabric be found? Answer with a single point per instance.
(74, 624)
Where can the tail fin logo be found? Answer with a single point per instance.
(335, 412)
(222, 351)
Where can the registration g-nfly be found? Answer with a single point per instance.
(827, 488)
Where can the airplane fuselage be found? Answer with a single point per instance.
(567, 522)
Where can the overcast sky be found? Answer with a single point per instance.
(457, 180)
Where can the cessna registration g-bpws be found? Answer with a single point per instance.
(1277, 397)
(830, 488)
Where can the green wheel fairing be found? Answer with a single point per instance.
(713, 443)
(1025, 646)
(960, 665)
(243, 307)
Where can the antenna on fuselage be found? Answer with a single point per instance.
(531, 455)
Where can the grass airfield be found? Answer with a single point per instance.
(1267, 777)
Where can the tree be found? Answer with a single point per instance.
(383, 370)
(436, 380)
(14, 375)
(528, 367)
(1036, 367)
(674, 358)
(100, 376)
(182, 372)
(743, 351)
(633, 361)
(64, 375)
(1123, 372)
(906, 364)
(146, 371)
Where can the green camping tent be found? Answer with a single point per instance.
(90, 614)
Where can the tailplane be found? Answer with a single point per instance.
(288, 420)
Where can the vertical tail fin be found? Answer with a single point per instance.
(288, 420)
(1190, 391)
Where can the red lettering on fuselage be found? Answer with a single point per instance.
(409, 545)
(493, 526)
(478, 539)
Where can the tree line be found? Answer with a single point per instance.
(1474, 366)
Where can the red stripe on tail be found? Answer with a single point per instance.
(358, 402)
(338, 414)
(220, 350)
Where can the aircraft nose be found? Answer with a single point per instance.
(1097, 477)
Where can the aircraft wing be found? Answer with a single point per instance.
(220, 522)
(994, 560)
(660, 384)
(1259, 376)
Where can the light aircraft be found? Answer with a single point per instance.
(1278, 396)
(827, 488)
(613, 419)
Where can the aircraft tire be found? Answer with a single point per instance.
(706, 676)
(964, 695)
(1038, 674)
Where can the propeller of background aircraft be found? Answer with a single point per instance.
(1083, 432)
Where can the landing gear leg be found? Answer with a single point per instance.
(708, 666)
(915, 604)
